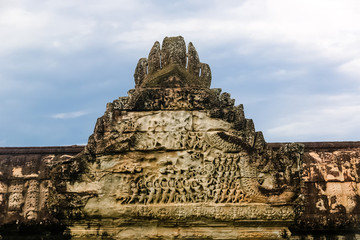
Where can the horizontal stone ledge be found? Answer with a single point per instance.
(246, 212)
(74, 149)
(158, 230)
(310, 146)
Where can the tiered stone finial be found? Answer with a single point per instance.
(170, 66)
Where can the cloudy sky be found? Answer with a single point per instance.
(294, 64)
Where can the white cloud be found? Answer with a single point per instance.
(289, 73)
(23, 27)
(351, 68)
(69, 115)
(14, 87)
(303, 32)
(323, 28)
(329, 118)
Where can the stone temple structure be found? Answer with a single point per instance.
(176, 159)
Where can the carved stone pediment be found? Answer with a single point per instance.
(176, 150)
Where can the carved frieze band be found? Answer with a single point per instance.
(173, 99)
(244, 212)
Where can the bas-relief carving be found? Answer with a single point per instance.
(330, 189)
(3, 191)
(193, 165)
(202, 122)
(200, 181)
(336, 180)
(3, 187)
(165, 121)
(336, 166)
(159, 140)
(16, 197)
(31, 205)
(224, 212)
(175, 149)
(25, 194)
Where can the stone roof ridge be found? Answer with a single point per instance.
(172, 66)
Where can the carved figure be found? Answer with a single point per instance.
(152, 191)
(172, 189)
(157, 191)
(134, 192)
(217, 192)
(224, 191)
(142, 192)
(165, 190)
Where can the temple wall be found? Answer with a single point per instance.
(331, 188)
(25, 189)
(330, 193)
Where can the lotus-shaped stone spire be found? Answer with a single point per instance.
(170, 66)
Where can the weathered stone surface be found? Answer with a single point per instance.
(313, 217)
(176, 151)
(173, 51)
(205, 77)
(177, 160)
(26, 184)
(154, 59)
(193, 60)
(170, 66)
(140, 71)
(331, 190)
